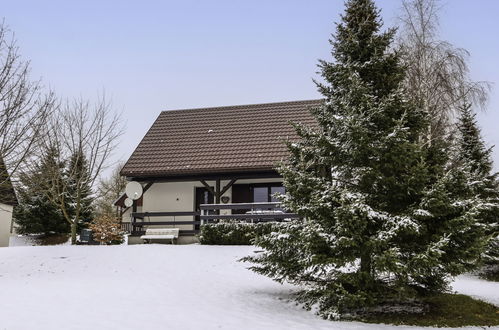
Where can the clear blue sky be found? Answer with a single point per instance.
(156, 55)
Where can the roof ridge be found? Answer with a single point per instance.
(243, 105)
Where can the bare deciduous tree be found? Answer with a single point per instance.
(437, 72)
(24, 107)
(109, 190)
(86, 135)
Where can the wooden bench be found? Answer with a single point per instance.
(160, 233)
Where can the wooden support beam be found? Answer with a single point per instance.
(210, 177)
(122, 211)
(227, 187)
(217, 191)
(146, 187)
(210, 189)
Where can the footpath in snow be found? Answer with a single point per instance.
(156, 287)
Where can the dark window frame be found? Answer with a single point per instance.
(268, 185)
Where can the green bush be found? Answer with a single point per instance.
(234, 233)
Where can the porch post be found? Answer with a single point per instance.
(134, 209)
(132, 220)
(217, 191)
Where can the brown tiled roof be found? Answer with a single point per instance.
(243, 138)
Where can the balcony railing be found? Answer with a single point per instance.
(126, 227)
(139, 221)
(253, 212)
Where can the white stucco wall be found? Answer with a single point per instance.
(171, 197)
(5, 224)
(180, 197)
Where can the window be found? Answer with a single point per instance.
(273, 190)
(260, 194)
(263, 193)
(205, 198)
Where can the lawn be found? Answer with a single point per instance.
(156, 287)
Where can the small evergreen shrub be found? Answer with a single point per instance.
(235, 233)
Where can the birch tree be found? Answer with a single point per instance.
(437, 75)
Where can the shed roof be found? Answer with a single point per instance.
(242, 138)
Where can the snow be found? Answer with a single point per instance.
(21, 240)
(155, 287)
(28, 240)
(422, 213)
(481, 289)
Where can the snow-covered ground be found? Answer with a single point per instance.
(155, 287)
(28, 240)
(22, 240)
(477, 288)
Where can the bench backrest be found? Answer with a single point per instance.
(162, 231)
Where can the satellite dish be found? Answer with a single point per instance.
(133, 190)
(128, 202)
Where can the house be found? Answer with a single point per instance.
(8, 200)
(209, 155)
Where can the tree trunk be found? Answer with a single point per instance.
(74, 226)
(365, 261)
(366, 269)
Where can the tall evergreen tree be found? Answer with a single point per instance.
(80, 196)
(373, 223)
(35, 213)
(474, 161)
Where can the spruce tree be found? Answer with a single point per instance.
(80, 196)
(378, 222)
(474, 161)
(36, 213)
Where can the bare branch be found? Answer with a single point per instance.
(438, 76)
(24, 108)
(79, 133)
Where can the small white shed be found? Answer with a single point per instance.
(8, 200)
